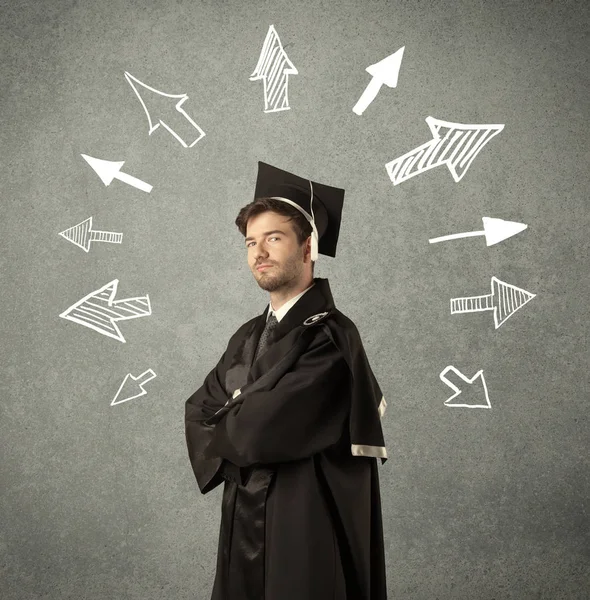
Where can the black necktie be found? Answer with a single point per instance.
(271, 324)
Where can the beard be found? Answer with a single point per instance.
(285, 275)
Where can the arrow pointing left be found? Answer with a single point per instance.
(100, 312)
(82, 234)
(108, 170)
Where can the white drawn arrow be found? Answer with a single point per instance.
(108, 170)
(128, 390)
(504, 300)
(470, 396)
(100, 312)
(82, 234)
(384, 72)
(274, 68)
(174, 119)
(494, 230)
(452, 144)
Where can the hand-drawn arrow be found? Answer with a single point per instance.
(452, 144)
(494, 230)
(177, 121)
(469, 398)
(129, 388)
(100, 312)
(504, 300)
(274, 68)
(384, 72)
(108, 170)
(82, 234)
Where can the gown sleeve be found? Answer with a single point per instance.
(209, 472)
(303, 414)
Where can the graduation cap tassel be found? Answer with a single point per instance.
(314, 231)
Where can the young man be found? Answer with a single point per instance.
(290, 419)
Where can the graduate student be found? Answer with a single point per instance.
(290, 418)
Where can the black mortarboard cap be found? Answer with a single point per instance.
(323, 209)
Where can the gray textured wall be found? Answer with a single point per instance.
(99, 501)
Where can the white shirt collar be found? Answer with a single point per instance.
(281, 312)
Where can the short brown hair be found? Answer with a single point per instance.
(301, 225)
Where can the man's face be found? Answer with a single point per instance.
(270, 240)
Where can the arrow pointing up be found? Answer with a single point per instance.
(108, 170)
(495, 231)
(384, 72)
(274, 68)
(171, 117)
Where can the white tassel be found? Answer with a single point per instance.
(314, 244)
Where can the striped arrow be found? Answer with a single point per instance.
(452, 144)
(99, 311)
(82, 235)
(504, 300)
(274, 68)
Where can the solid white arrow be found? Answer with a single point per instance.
(494, 230)
(385, 72)
(108, 170)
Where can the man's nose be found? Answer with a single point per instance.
(260, 251)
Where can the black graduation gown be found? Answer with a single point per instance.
(295, 436)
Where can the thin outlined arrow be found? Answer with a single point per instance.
(494, 230)
(504, 301)
(108, 170)
(128, 390)
(82, 235)
(177, 121)
(274, 68)
(99, 311)
(384, 72)
(452, 144)
(463, 386)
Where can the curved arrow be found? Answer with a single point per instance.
(494, 230)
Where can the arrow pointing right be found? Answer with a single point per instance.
(495, 231)
(504, 301)
(453, 144)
